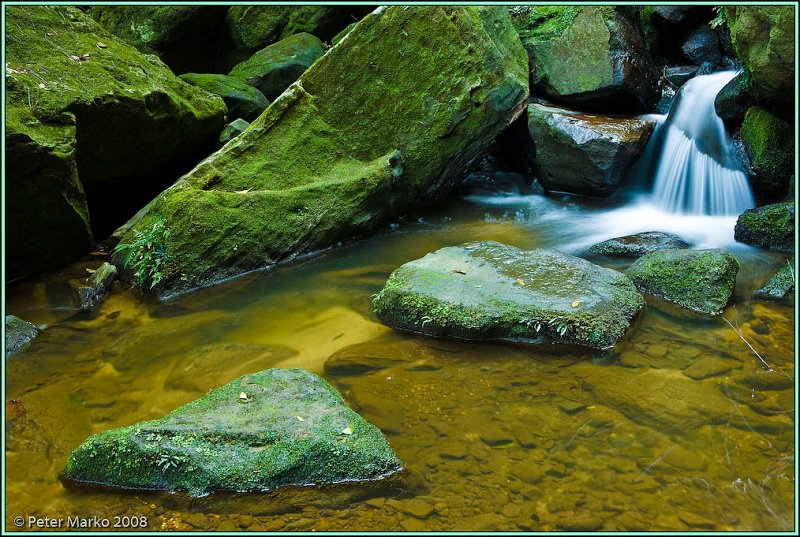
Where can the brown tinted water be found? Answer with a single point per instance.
(678, 428)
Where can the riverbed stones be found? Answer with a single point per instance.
(701, 281)
(583, 153)
(243, 100)
(18, 333)
(639, 244)
(769, 142)
(779, 285)
(494, 292)
(770, 226)
(364, 135)
(263, 430)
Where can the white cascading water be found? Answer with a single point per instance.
(697, 172)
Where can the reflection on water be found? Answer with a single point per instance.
(679, 428)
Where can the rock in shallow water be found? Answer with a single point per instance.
(263, 430)
(490, 291)
(18, 333)
(639, 244)
(770, 226)
(780, 284)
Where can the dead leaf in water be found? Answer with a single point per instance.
(577, 303)
(458, 271)
(520, 282)
(243, 396)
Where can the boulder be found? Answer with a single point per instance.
(639, 244)
(698, 280)
(261, 431)
(18, 333)
(99, 285)
(677, 76)
(494, 292)
(770, 226)
(365, 134)
(584, 154)
(763, 37)
(243, 100)
(734, 99)
(232, 130)
(769, 142)
(589, 57)
(90, 121)
(184, 37)
(273, 69)
(702, 46)
(779, 285)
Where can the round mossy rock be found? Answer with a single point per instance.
(770, 226)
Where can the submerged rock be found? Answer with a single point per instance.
(243, 100)
(490, 291)
(261, 431)
(582, 153)
(639, 244)
(365, 134)
(699, 280)
(274, 68)
(769, 142)
(770, 226)
(590, 57)
(780, 284)
(18, 333)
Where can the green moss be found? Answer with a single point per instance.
(535, 24)
(780, 284)
(770, 226)
(769, 142)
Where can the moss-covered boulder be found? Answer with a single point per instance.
(779, 285)
(581, 153)
(769, 142)
(388, 119)
(243, 100)
(274, 68)
(184, 37)
(770, 226)
(590, 57)
(18, 333)
(699, 280)
(261, 431)
(639, 244)
(87, 111)
(494, 292)
(763, 37)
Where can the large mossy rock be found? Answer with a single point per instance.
(365, 134)
(184, 37)
(243, 100)
(590, 57)
(87, 111)
(699, 280)
(769, 142)
(494, 292)
(770, 226)
(261, 431)
(763, 37)
(639, 244)
(18, 333)
(582, 153)
(274, 68)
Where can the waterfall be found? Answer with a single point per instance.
(696, 171)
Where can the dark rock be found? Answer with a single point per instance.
(18, 333)
(364, 135)
(584, 154)
(274, 68)
(678, 76)
(490, 291)
(264, 430)
(769, 142)
(699, 280)
(779, 285)
(232, 130)
(639, 244)
(733, 100)
(99, 285)
(243, 100)
(702, 46)
(770, 226)
(338, 37)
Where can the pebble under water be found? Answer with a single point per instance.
(678, 428)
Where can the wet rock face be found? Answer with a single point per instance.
(18, 333)
(701, 281)
(702, 46)
(769, 142)
(365, 134)
(494, 292)
(733, 100)
(770, 226)
(264, 430)
(639, 244)
(582, 153)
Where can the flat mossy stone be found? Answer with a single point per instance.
(364, 135)
(638, 244)
(770, 226)
(701, 281)
(273, 69)
(769, 142)
(243, 100)
(495, 292)
(779, 285)
(261, 431)
(18, 333)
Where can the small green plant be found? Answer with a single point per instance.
(720, 19)
(146, 255)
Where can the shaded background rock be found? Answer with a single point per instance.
(770, 226)
(242, 99)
